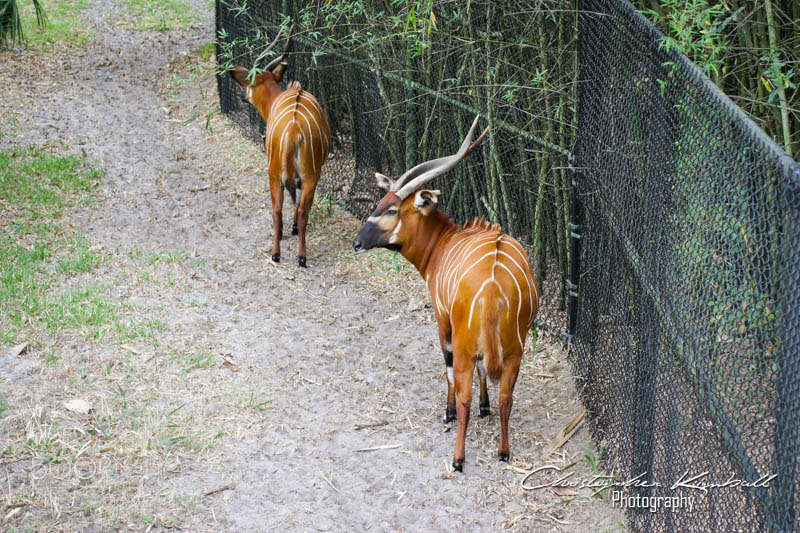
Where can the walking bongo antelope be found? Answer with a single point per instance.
(297, 142)
(484, 293)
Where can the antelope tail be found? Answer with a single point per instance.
(489, 341)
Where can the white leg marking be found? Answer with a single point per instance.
(450, 375)
(481, 369)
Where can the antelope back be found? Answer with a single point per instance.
(474, 257)
(297, 121)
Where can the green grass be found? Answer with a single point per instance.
(64, 26)
(42, 183)
(82, 258)
(9, 124)
(162, 15)
(201, 359)
(38, 256)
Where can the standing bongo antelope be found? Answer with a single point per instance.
(484, 293)
(297, 142)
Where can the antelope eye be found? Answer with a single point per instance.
(391, 212)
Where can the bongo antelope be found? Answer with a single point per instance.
(484, 293)
(297, 142)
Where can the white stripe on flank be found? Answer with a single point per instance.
(283, 136)
(465, 272)
(311, 142)
(306, 112)
(462, 256)
(527, 280)
(289, 104)
(519, 301)
(316, 112)
(447, 270)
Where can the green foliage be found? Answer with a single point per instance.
(696, 29)
(11, 28)
(749, 49)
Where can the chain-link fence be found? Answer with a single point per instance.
(686, 340)
(686, 344)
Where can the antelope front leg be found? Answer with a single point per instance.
(507, 382)
(463, 372)
(447, 350)
(276, 193)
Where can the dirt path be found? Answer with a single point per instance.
(291, 372)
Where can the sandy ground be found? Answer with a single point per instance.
(305, 367)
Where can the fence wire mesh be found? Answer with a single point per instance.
(686, 343)
(686, 340)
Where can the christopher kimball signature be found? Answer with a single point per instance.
(702, 482)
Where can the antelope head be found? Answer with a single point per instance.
(400, 212)
(265, 83)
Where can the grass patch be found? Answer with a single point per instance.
(380, 261)
(200, 359)
(42, 184)
(9, 124)
(37, 254)
(162, 15)
(64, 24)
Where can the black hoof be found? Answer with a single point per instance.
(458, 466)
(276, 258)
(503, 457)
(484, 411)
(294, 228)
(449, 415)
(301, 261)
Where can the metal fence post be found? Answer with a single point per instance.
(787, 411)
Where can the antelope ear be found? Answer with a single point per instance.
(425, 201)
(384, 182)
(278, 72)
(239, 74)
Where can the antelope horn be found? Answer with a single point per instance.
(425, 172)
(275, 62)
(267, 49)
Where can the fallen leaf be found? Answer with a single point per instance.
(415, 305)
(78, 406)
(16, 350)
(564, 491)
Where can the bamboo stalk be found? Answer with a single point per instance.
(784, 110)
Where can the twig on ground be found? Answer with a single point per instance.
(382, 447)
(229, 486)
(365, 426)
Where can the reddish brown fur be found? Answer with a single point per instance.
(297, 144)
(484, 307)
